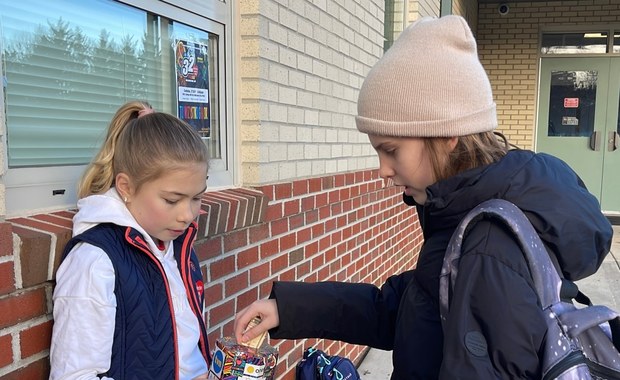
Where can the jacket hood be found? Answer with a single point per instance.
(567, 217)
(106, 208)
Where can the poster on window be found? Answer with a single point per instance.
(193, 85)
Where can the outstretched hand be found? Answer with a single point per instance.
(267, 310)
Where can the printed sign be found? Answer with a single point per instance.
(570, 120)
(253, 370)
(571, 102)
(218, 362)
(192, 70)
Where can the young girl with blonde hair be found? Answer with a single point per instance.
(128, 302)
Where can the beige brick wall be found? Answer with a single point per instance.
(301, 68)
(508, 48)
(408, 11)
(428, 8)
(400, 20)
(468, 9)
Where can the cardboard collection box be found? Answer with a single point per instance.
(233, 361)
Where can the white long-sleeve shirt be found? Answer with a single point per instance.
(85, 303)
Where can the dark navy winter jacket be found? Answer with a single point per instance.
(145, 341)
(494, 294)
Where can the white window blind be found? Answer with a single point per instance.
(67, 65)
(67, 73)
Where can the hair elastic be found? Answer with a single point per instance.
(145, 111)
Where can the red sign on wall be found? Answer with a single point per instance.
(571, 102)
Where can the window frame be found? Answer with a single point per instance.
(29, 190)
(611, 28)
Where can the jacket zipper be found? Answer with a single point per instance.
(602, 371)
(573, 359)
(149, 254)
(577, 357)
(186, 276)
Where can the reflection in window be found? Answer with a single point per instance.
(388, 25)
(574, 43)
(616, 48)
(69, 64)
(394, 23)
(572, 101)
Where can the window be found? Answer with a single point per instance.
(616, 48)
(572, 101)
(574, 43)
(67, 65)
(395, 20)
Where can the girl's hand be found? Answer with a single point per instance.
(267, 310)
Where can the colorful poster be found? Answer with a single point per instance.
(193, 85)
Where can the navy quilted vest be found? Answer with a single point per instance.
(144, 337)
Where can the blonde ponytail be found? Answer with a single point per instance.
(99, 175)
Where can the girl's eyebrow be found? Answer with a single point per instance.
(185, 195)
(381, 146)
(377, 146)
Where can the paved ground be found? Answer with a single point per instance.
(602, 288)
(377, 365)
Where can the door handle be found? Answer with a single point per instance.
(613, 142)
(595, 141)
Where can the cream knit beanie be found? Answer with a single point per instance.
(430, 83)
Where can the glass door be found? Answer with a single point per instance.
(610, 197)
(578, 120)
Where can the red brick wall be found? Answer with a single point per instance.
(345, 227)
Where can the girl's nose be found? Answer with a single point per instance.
(187, 213)
(385, 171)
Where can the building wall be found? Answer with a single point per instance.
(508, 49)
(468, 9)
(301, 66)
(344, 227)
(428, 8)
(312, 206)
(398, 15)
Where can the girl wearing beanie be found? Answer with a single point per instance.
(428, 110)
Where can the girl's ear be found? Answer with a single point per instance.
(451, 143)
(123, 186)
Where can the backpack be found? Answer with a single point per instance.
(582, 343)
(317, 365)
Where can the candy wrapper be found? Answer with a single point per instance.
(255, 360)
(233, 361)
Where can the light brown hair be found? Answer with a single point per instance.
(143, 145)
(471, 151)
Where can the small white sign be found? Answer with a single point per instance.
(194, 95)
(570, 120)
